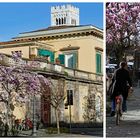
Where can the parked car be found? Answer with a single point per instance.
(130, 65)
(110, 69)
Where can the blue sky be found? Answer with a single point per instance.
(16, 18)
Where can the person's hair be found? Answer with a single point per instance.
(123, 64)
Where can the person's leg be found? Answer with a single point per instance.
(113, 107)
(1, 132)
(122, 101)
(124, 106)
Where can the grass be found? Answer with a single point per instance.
(53, 130)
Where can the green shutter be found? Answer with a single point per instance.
(52, 57)
(42, 52)
(98, 63)
(62, 58)
(74, 60)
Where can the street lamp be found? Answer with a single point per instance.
(69, 103)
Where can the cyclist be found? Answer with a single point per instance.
(120, 82)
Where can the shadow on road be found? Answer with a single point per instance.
(130, 123)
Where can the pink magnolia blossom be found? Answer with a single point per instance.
(18, 83)
(121, 18)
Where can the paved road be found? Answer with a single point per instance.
(130, 122)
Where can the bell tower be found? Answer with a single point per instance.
(64, 15)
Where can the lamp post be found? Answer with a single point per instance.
(34, 131)
(69, 103)
(70, 116)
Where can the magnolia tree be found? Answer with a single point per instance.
(17, 85)
(55, 97)
(89, 114)
(122, 27)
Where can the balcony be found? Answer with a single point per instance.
(41, 66)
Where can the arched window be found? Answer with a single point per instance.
(59, 21)
(75, 22)
(56, 21)
(62, 21)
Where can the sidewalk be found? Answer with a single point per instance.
(130, 122)
(75, 132)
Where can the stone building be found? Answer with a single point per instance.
(64, 15)
(69, 51)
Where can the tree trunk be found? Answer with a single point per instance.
(7, 113)
(57, 121)
(119, 55)
(7, 119)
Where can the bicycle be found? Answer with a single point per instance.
(118, 101)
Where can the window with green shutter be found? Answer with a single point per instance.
(52, 57)
(62, 58)
(98, 63)
(71, 60)
(42, 52)
(74, 60)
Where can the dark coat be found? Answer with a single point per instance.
(120, 83)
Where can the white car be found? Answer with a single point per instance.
(110, 68)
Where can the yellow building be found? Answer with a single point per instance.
(78, 49)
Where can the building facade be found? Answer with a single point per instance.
(70, 51)
(76, 47)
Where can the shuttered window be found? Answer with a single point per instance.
(74, 60)
(98, 63)
(42, 52)
(71, 60)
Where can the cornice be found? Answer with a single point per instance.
(61, 35)
(100, 49)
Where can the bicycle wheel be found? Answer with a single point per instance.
(117, 114)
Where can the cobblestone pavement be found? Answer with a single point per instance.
(76, 132)
(130, 122)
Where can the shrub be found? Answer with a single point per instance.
(53, 130)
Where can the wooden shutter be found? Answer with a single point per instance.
(42, 52)
(74, 60)
(62, 58)
(98, 63)
(52, 57)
